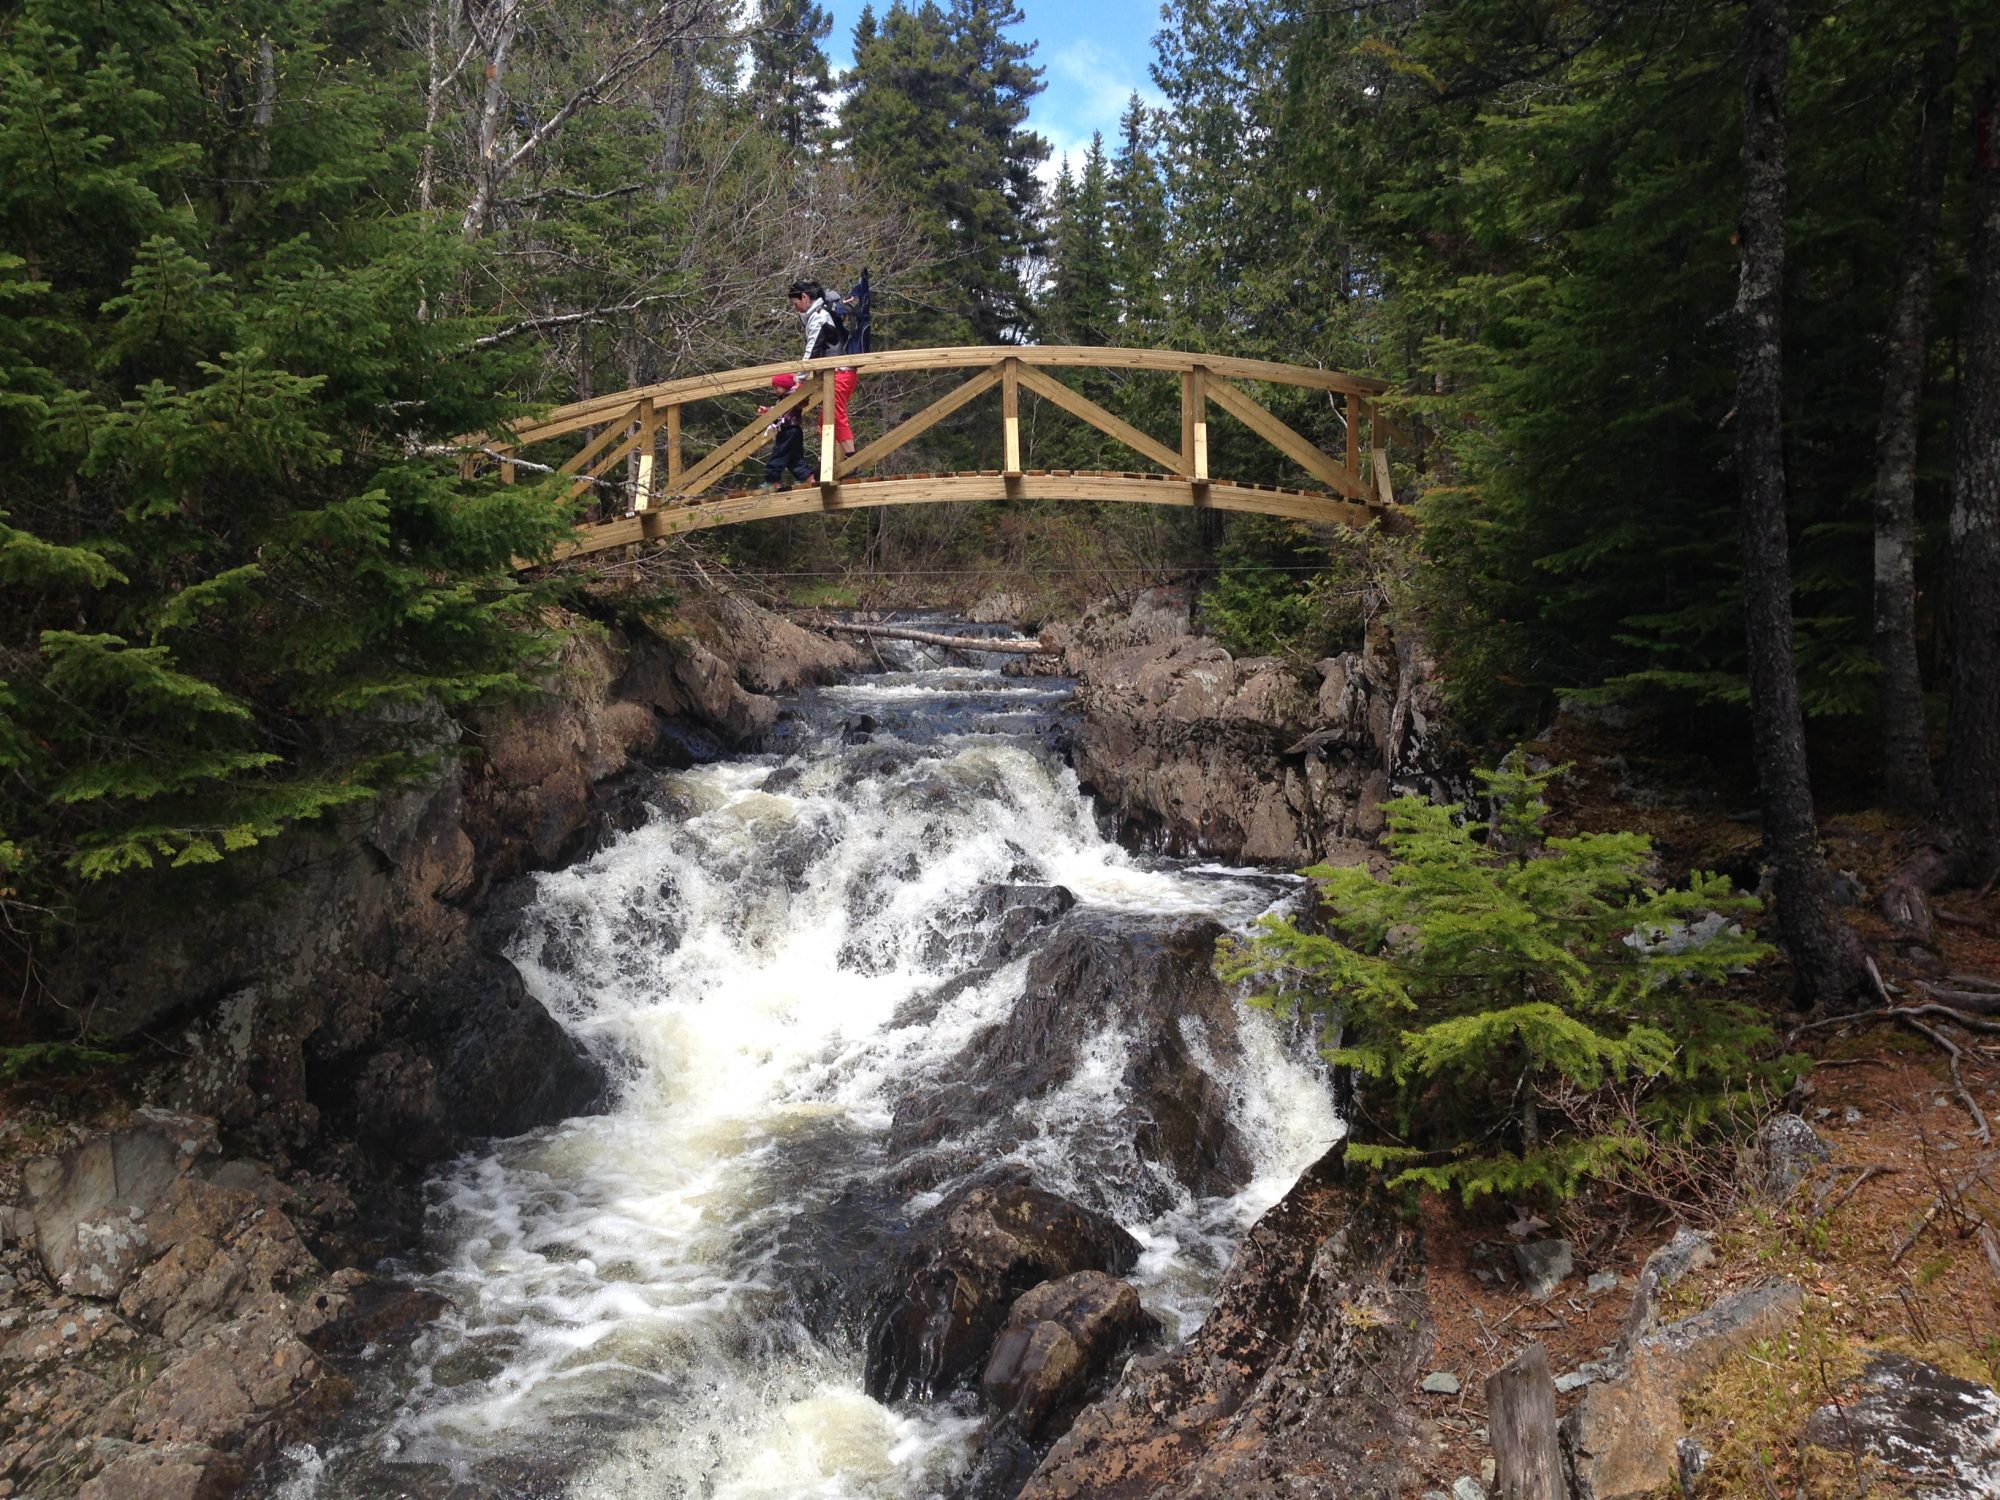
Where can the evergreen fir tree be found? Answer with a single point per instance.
(789, 79)
(235, 564)
(1521, 1011)
(937, 108)
(1137, 204)
(1082, 301)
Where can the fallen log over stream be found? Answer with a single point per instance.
(935, 638)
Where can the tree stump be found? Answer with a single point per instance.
(1521, 1416)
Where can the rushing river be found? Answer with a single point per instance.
(649, 1302)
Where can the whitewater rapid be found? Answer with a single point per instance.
(640, 1303)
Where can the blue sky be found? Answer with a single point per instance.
(1093, 55)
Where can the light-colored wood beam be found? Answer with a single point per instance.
(1385, 487)
(674, 449)
(580, 414)
(613, 430)
(1281, 437)
(588, 481)
(1079, 405)
(1194, 423)
(724, 458)
(649, 432)
(829, 454)
(861, 494)
(929, 417)
(1010, 416)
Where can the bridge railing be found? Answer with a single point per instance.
(643, 428)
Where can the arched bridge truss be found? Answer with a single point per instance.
(664, 491)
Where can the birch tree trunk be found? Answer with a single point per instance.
(1972, 752)
(487, 169)
(1825, 955)
(1906, 771)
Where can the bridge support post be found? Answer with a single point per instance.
(1354, 441)
(1010, 410)
(674, 449)
(1194, 429)
(829, 450)
(649, 427)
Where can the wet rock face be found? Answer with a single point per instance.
(1059, 1338)
(967, 1261)
(1192, 751)
(1320, 1324)
(336, 984)
(1151, 982)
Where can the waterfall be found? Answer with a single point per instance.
(661, 1300)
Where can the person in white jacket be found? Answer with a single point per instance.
(823, 337)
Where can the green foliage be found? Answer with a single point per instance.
(1281, 590)
(1524, 214)
(1502, 994)
(33, 1058)
(936, 111)
(236, 549)
(789, 80)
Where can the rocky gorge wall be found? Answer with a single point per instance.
(320, 1022)
(1192, 751)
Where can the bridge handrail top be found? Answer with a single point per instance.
(961, 357)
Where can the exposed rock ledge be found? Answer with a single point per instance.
(337, 988)
(1297, 1382)
(1192, 751)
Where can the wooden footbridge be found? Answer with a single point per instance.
(663, 491)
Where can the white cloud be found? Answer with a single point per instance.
(1087, 87)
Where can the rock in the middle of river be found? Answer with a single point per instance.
(968, 1259)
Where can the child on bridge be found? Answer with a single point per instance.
(788, 445)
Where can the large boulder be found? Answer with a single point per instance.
(87, 1205)
(967, 1261)
(1621, 1441)
(1297, 1382)
(1057, 1340)
(1930, 1426)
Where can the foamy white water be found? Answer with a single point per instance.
(643, 1296)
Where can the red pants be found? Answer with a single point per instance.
(844, 382)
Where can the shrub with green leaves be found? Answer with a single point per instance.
(1521, 1012)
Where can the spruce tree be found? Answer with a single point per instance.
(237, 562)
(789, 78)
(1082, 301)
(1137, 204)
(936, 110)
(1522, 1012)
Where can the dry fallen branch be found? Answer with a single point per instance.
(1983, 1002)
(1953, 1053)
(1854, 1187)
